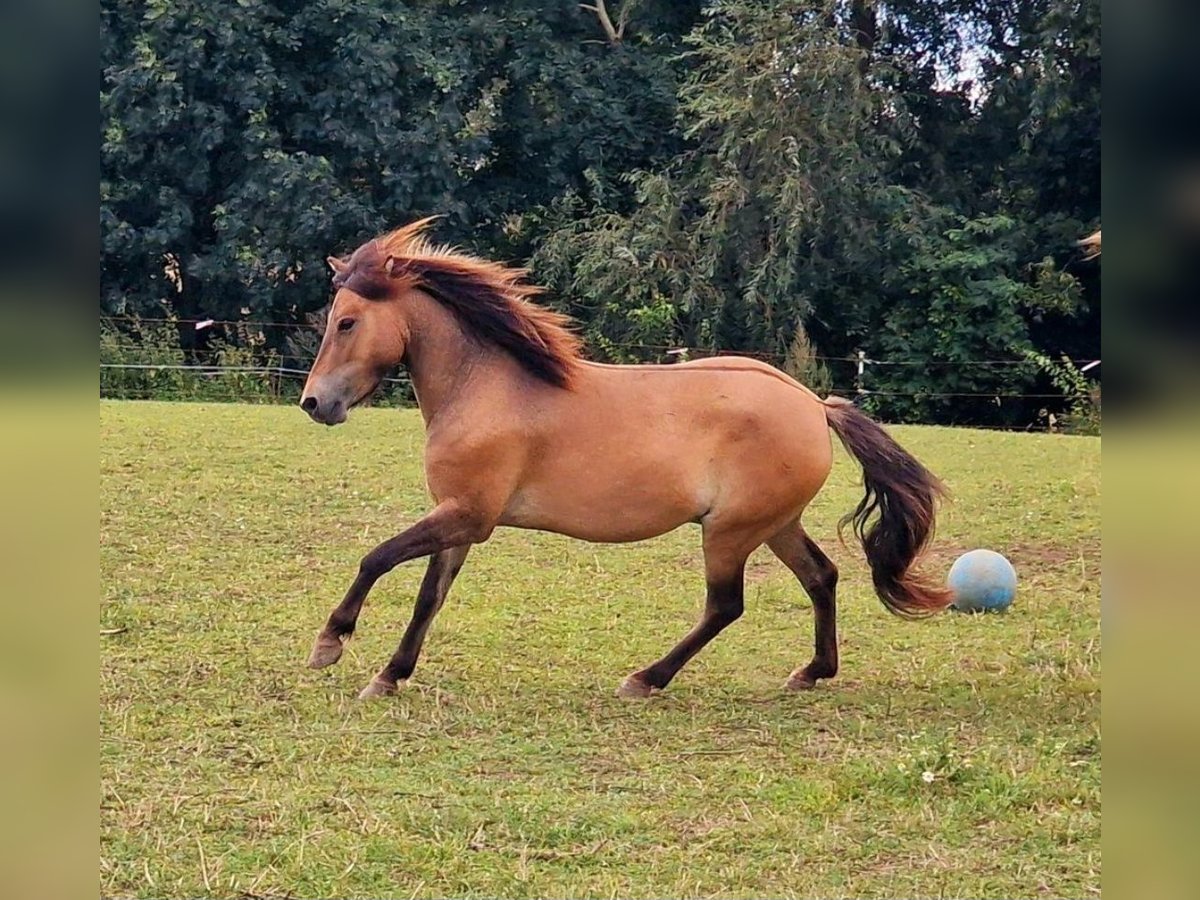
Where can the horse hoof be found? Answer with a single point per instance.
(325, 652)
(800, 680)
(634, 687)
(378, 688)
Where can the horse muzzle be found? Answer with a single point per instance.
(326, 412)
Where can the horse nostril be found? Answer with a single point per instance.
(309, 405)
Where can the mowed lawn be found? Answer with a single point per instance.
(958, 756)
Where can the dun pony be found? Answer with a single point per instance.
(522, 432)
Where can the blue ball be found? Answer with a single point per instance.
(982, 581)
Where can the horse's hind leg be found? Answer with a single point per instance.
(724, 569)
(443, 569)
(819, 577)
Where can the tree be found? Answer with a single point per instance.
(243, 143)
(744, 236)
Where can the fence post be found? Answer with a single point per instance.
(858, 378)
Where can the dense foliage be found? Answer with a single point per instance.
(800, 179)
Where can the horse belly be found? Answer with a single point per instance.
(597, 503)
(640, 455)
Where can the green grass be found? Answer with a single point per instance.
(509, 769)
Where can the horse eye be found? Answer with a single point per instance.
(345, 324)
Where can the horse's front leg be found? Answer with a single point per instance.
(443, 569)
(450, 524)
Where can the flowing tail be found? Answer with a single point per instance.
(906, 495)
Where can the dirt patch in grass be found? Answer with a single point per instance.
(1027, 555)
(1034, 555)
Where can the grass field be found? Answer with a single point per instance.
(953, 757)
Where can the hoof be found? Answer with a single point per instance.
(325, 652)
(635, 687)
(379, 688)
(800, 680)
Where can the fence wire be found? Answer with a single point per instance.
(663, 349)
(141, 359)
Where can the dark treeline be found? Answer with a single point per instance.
(801, 179)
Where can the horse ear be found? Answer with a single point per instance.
(338, 266)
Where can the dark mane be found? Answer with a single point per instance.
(491, 300)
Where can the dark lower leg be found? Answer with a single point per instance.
(344, 618)
(446, 526)
(443, 568)
(818, 575)
(722, 607)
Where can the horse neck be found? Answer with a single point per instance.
(441, 356)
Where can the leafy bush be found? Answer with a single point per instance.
(1083, 415)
